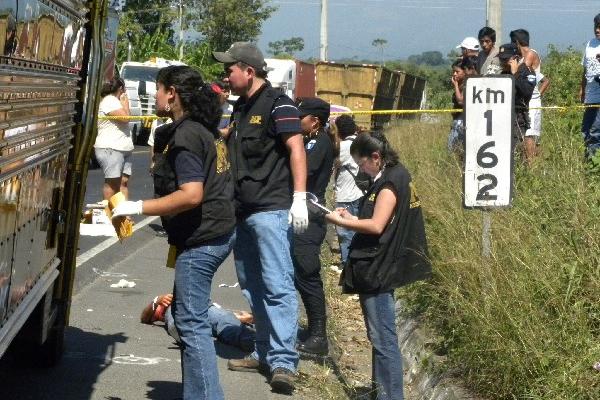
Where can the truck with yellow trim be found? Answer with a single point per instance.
(51, 69)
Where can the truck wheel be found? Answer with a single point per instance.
(50, 353)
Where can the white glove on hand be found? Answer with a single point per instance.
(298, 215)
(128, 208)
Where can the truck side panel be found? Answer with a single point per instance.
(305, 79)
(349, 85)
(41, 54)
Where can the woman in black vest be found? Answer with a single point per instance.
(194, 197)
(389, 250)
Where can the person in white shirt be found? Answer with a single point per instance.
(347, 193)
(590, 93)
(531, 58)
(113, 146)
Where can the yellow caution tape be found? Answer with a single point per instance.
(147, 119)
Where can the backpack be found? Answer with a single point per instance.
(362, 180)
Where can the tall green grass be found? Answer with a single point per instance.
(525, 323)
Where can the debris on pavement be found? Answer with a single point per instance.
(123, 283)
(230, 286)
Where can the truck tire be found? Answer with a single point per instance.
(50, 353)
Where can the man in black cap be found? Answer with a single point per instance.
(268, 161)
(314, 114)
(590, 93)
(524, 84)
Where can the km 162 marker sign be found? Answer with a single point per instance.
(489, 118)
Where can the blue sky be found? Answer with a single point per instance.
(414, 26)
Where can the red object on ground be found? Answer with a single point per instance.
(159, 313)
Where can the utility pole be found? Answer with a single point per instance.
(180, 30)
(494, 18)
(324, 44)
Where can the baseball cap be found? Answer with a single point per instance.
(245, 52)
(316, 107)
(507, 51)
(469, 43)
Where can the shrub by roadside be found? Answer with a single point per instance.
(526, 323)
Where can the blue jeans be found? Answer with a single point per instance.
(345, 235)
(230, 330)
(590, 130)
(266, 274)
(225, 327)
(456, 137)
(194, 271)
(380, 318)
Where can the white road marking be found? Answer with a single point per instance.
(82, 258)
(135, 360)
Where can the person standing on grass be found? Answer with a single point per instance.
(590, 93)
(306, 252)
(194, 197)
(487, 59)
(113, 146)
(531, 59)
(469, 47)
(524, 84)
(389, 250)
(461, 70)
(268, 162)
(347, 193)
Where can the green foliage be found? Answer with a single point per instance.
(564, 70)
(525, 323)
(439, 89)
(433, 58)
(146, 46)
(286, 47)
(223, 22)
(379, 42)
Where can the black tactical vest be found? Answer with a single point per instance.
(254, 154)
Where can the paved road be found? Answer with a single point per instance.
(109, 354)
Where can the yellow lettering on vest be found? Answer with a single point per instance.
(256, 119)
(222, 160)
(372, 197)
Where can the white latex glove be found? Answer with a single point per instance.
(128, 208)
(298, 215)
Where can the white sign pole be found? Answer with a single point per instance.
(489, 120)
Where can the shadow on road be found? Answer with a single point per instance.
(86, 355)
(163, 390)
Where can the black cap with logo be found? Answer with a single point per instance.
(245, 52)
(508, 51)
(316, 107)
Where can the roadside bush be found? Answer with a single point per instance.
(525, 323)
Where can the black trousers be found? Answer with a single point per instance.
(307, 268)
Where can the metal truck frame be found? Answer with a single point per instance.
(51, 69)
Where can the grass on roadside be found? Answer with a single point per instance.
(526, 322)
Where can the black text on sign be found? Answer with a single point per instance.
(489, 116)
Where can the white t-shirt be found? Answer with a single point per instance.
(345, 187)
(112, 134)
(592, 69)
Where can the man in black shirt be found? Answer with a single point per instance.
(268, 161)
(307, 246)
(524, 84)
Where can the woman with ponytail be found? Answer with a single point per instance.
(389, 250)
(194, 197)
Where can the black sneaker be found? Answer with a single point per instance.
(282, 381)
